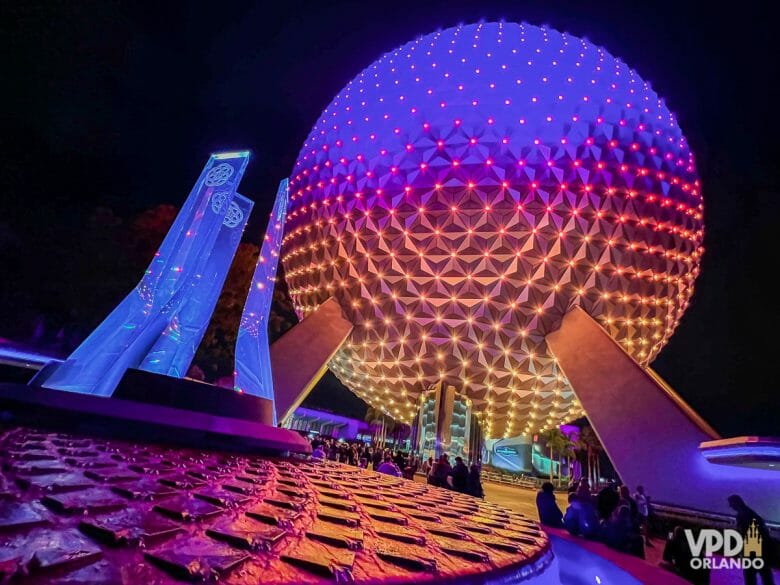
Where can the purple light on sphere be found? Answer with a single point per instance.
(465, 190)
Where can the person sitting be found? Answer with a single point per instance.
(411, 467)
(389, 467)
(319, 452)
(475, 482)
(581, 518)
(677, 554)
(589, 519)
(460, 476)
(549, 512)
(571, 519)
(619, 532)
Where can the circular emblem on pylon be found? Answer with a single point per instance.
(219, 175)
(234, 215)
(218, 201)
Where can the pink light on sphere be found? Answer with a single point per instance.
(456, 238)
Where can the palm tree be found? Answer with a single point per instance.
(582, 453)
(373, 418)
(565, 449)
(593, 446)
(555, 441)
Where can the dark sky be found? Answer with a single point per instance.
(120, 104)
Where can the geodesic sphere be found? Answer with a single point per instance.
(465, 190)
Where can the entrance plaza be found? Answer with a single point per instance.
(488, 236)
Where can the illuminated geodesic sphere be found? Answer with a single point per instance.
(466, 189)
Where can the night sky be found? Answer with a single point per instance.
(119, 104)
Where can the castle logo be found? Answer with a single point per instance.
(726, 549)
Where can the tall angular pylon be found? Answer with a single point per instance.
(253, 360)
(159, 324)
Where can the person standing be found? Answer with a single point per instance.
(643, 510)
(475, 482)
(630, 503)
(460, 476)
(607, 501)
(427, 466)
(748, 519)
(547, 508)
(442, 471)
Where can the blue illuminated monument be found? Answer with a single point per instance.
(160, 324)
(253, 360)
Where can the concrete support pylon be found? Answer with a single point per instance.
(300, 357)
(650, 434)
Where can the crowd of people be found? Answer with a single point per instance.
(678, 554)
(367, 456)
(620, 519)
(459, 477)
(613, 515)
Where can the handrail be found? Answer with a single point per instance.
(508, 478)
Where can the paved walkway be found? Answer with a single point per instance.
(518, 499)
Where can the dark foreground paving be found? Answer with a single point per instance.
(77, 510)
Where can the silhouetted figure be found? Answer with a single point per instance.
(377, 459)
(411, 467)
(427, 466)
(677, 553)
(628, 501)
(746, 519)
(620, 533)
(441, 471)
(460, 476)
(352, 455)
(549, 512)
(583, 490)
(589, 519)
(643, 509)
(581, 518)
(475, 482)
(571, 519)
(607, 501)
